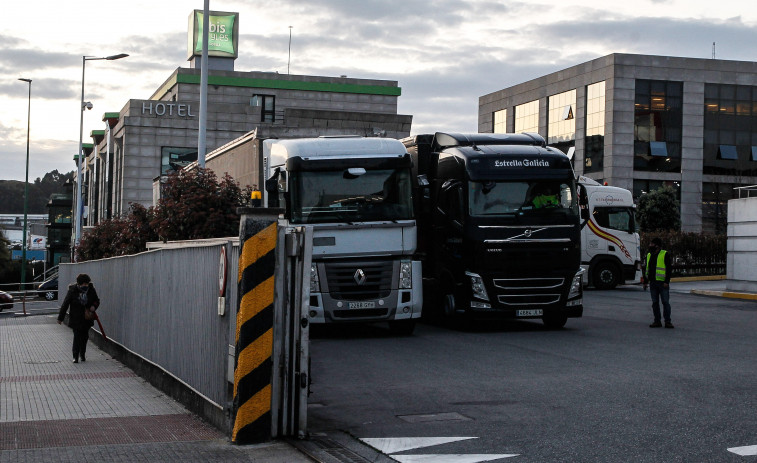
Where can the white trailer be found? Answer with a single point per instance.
(609, 241)
(356, 193)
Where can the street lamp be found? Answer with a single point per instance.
(26, 193)
(82, 107)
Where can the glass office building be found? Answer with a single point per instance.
(640, 122)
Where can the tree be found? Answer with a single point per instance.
(197, 205)
(193, 205)
(118, 236)
(5, 253)
(12, 192)
(658, 210)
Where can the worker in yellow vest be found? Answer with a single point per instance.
(657, 277)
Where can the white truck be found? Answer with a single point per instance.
(609, 241)
(356, 193)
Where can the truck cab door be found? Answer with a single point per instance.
(450, 212)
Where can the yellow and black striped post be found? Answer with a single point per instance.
(254, 336)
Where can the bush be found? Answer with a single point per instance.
(659, 210)
(694, 254)
(193, 205)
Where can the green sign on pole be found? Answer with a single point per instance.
(223, 34)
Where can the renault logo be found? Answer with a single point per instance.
(359, 276)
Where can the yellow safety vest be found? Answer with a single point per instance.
(660, 270)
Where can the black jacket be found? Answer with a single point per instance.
(71, 303)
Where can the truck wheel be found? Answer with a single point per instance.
(605, 275)
(554, 321)
(402, 327)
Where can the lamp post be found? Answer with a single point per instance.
(83, 106)
(26, 193)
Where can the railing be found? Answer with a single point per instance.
(747, 191)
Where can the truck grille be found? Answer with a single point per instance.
(528, 291)
(374, 280)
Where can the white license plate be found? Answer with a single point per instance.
(362, 305)
(530, 313)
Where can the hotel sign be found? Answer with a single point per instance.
(223, 34)
(150, 108)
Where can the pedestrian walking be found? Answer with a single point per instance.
(80, 297)
(657, 277)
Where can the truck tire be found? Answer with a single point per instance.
(554, 322)
(605, 275)
(402, 327)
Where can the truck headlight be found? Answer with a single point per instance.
(315, 284)
(406, 275)
(477, 286)
(577, 284)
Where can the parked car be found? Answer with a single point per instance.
(6, 301)
(48, 289)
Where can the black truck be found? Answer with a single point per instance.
(498, 227)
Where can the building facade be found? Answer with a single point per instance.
(640, 122)
(149, 138)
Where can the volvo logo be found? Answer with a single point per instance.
(527, 233)
(359, 276)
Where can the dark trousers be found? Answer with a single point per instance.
(659, 292)
(81, 336)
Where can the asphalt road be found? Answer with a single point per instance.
(607, 388)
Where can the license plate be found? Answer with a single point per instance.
(362, 305)
(530, 313)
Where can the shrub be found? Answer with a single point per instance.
(692, 253)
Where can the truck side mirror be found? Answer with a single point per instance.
(272, 188)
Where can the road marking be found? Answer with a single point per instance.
(400, 444)
(391, 445)
(748, 451)
(449, 458)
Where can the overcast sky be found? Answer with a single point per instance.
(444, 53)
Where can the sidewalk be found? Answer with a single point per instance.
(704, 286)
(54, 410)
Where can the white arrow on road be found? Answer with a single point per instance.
(449, 458)
(400, 444)
(748, 451)
(391, 445)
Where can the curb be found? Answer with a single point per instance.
(701, 278)
(728, 294)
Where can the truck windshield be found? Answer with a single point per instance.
(352, 195)
(522, 197)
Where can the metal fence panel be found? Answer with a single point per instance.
(162, 305)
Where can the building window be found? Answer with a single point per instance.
(658, 118)
(561, 120)
(715, 198)
(174, 159)
(527, 117)
(500, 121)
(658, 148)
(730, 130)
(267, 106)
(728, 152)
(594, 142)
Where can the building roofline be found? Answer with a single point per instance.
(281, 81)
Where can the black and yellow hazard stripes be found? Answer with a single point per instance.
(254, 336)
